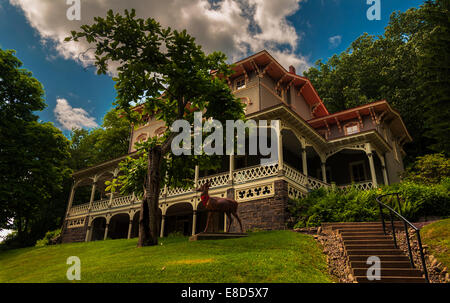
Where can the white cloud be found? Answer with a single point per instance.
(70, 117)
(236, 27)
(335, 41)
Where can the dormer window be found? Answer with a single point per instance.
(351, 128)
(239, 83)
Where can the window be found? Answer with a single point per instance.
(358, 171)
(240, 83)
(351, 128)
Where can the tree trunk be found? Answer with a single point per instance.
(144, 227)
(148, 221)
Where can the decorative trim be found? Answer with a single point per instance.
(255, 192)
(295, 192)
(74, 223)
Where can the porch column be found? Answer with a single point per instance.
(383, 167)
(280, 149)
(163, 219)
(372, 169)
(194, 222)
(304, 162)
(324, 170)
(111, 196)
(88, 232)
(231, 178)
(91, 201)
(72, 195)
(197, 173)
(115, 173)
(106, 231)
(130, 226)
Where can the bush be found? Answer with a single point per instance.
(421, 200)
(334, 205)
(50, 238)
(353, 205)
(429, 169)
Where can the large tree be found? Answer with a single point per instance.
(401, 66)
(33, 155)
(170, 76)
(434, 68)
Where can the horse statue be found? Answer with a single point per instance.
(221, 205)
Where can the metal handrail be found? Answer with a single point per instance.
(406, 223)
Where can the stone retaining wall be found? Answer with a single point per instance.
(265, 214)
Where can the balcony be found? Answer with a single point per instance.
(256, 175)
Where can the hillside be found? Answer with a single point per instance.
(275, 256)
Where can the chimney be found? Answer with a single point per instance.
(292, 70)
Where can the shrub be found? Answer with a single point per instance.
(421, 200)
(333, 205)
(353, 205)
(429, 169)
(49, 238)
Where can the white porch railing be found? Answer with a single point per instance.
(121, 201)
(255, 172)
(79, 209)
(366, 185)
(215, 180)
(301, 179)
(240, 176)
(99, 205)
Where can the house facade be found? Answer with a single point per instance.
(357, 147)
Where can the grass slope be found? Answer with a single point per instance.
(275, 256)
(437, 237)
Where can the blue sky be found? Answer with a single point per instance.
(295, 32)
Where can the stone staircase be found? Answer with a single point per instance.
(366, 239)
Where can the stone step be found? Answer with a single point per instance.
(361, 234)
(383, 258)
(356, 238)
(374, 252)
(384, 264)
(368, 241)
(338, 226)
(363, 279)
(360, 230)
(390, 272)
(360, 223)
(370, 246)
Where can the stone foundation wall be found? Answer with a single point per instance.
(266, 214)
(76, 234)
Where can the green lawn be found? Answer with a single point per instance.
(437, 237)
(275, 256)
